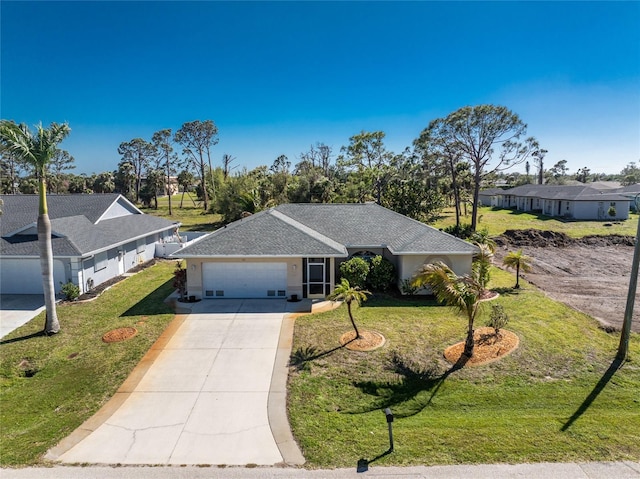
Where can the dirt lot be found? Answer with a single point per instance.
(590, 274)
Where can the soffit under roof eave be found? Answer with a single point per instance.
(262, 256)
(422, 253)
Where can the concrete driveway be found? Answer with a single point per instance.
(18, 309)
(205, 394)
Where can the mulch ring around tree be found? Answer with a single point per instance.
(368, 341)
(488, 347)
(119, 334)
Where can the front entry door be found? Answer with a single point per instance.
(315, 278)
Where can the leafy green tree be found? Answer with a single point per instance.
(79, 184)
(137, 153)
(62, 161)
(104, 183)
(165, 159)
(349, 294)
(488, 138)
(368, 159)
(460, 292)
(582, 175)
(197, 138)
(38, 149)
(10, 171)
(559, 172)
(630, 174)
(519, 261)
(186, 180)
(355, 271)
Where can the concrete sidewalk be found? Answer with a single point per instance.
(589, 470)
(200, 396)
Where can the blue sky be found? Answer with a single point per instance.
(277, 77)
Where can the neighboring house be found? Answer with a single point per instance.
(296, 249)
(489, 196)
(579, 202)
(94, 238)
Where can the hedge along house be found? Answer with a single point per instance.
(94, 238)
(296, 249)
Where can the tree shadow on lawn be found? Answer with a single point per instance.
(301, 357)
(23, 338)
(404, 395)
(604, 380)
(153, 303)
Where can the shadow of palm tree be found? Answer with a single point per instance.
(507, 291)
(301, 357)
(406, 392)
(604, 380)
(23, 338)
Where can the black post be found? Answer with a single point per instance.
(389, 415)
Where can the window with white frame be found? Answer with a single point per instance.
(100, 261)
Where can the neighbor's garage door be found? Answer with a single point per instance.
(244, 280)
(24, 276)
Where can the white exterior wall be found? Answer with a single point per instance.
(408, 266)
(599, 210)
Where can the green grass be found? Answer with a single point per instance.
(191, 215)
(513, 410)
(76, 372)
(497, 221)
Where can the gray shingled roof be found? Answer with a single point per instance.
(263, 234)
(73, 217)
(309, 229)
(564, 192)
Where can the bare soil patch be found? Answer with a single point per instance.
(590, 274)
(488, 347)
(119, 334)
(368, 341)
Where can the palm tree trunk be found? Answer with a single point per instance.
(51, 326)
(469, 343)
(517, 275)
(353, 323)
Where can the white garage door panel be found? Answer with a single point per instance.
(244, 280)
(24, 276)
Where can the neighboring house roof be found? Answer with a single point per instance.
(313, 229)
(491, 191)
(564, 192)
(80, 224)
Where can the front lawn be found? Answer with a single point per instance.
(51, 385)
(555, 398)
(497, 221)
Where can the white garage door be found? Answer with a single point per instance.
(244, 280)
(24, 276)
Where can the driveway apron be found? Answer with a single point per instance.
(204, 398)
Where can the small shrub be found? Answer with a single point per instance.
(382, 273)
(407, 287)
(70, 291)
(612, 211)
(355, 271)
(180, 280)
(498, 318)
(462, 231)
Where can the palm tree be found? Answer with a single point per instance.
(461, 292)
(519, 261)
(347, 293)
(38, 149)
(481, 266)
